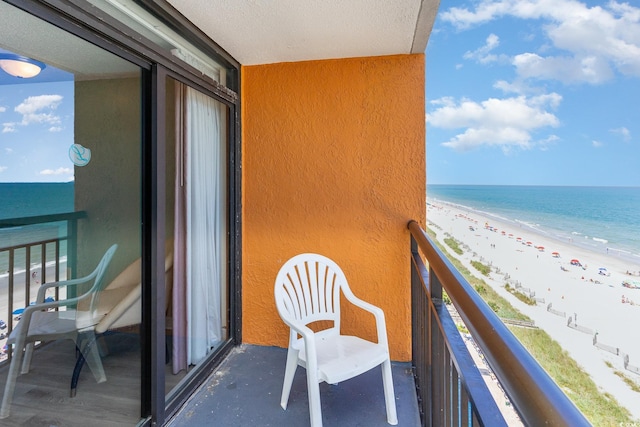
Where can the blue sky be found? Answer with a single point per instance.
(534, 92)
(36, 131)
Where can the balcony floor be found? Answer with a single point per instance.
(245, 391)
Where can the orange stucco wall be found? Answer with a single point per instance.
(334, 163)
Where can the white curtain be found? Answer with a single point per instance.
(204, 223)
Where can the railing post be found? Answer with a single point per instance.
(72, 247)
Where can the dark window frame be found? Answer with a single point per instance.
(89, 23)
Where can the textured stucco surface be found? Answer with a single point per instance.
(333, 163)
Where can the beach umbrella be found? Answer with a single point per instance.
(18, 311)
(556, 254)
(541, 248)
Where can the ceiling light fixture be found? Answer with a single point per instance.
(20, 66)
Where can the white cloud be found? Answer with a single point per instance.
(56, 129)
(565, 69)
(59, 171)
(624, 132)
(8, 150)
(514, 87)
(3, 168)
(39, 109)
(504, 123)
(2, 109)
(8, 127)
(592, 42)
(596, 144)
(483, 54)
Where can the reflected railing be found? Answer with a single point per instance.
(450, 387)
(33, 250)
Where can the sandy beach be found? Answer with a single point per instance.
(595, 300)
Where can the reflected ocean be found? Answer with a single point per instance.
(602, 219)
(31, 199)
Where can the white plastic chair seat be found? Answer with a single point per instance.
(44, 324)
(341, 357)
(307, 290)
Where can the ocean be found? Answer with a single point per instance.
(602, 219)
(31, 199)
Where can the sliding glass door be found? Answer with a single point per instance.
(70, 189)
(197, 213)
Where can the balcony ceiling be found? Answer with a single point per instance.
(263, 32)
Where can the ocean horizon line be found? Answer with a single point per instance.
(602, 219)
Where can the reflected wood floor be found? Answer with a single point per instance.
(42, 398)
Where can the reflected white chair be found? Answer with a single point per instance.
(42, 322)
(121, 304)
(307, 290)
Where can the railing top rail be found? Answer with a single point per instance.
(534, 394)
(41, 219)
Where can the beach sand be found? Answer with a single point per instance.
(593, 299)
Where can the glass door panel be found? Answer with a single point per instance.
(197, 220)
(70, 183)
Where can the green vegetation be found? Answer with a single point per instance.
(522, 297)
(631, 383)
(453, 244)
(601, 409)
(483, 269)
(462, 328)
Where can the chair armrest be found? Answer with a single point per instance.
(61, 284)
(308, 337)
(381, 325)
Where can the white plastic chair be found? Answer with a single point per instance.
(307, 290)
(121, 304)
(40, 323)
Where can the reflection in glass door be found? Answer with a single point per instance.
(197, 215)
(71, 145)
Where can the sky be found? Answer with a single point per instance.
(534, 92)
(36, 131)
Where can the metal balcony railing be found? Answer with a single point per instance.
(450, 388)
(32, 252)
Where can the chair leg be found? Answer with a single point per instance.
(26, 361)
(7, 398)
(389, 395)
(92, 355)
(289, 373)
(315, 407)
(76, 374)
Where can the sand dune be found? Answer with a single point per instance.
(592, 300)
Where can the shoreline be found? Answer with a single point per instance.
(587, 297)
(595, 244)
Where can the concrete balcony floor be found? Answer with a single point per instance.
(245, 391)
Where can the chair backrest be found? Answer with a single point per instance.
(307, 289)
(127, 310)
(98, 281)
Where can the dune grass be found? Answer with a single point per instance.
(482, 268)
(601, 409)
(453, 244)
